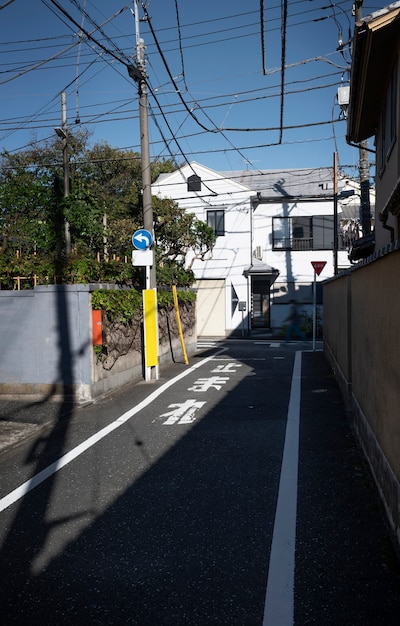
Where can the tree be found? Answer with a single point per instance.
(27, 200)
(178, 232)
(103, 209)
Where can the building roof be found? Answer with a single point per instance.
(375, 39)
(274, 185)
(292, 183)
(258, 268)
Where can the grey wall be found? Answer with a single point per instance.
(45, 339)
(46, 345)
(362, 342)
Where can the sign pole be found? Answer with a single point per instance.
(150, 332)
(314, 310)
(143, 256)
(318, 267)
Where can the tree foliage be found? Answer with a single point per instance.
(103, 208)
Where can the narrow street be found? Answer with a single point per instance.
(230, 492)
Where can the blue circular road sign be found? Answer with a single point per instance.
(142, 239)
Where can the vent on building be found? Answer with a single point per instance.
(194, 183)
(258, 253)
(325, 186)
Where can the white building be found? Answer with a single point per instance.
(270, 226)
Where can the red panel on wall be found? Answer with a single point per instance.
(97, 328)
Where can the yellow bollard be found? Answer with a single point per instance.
(178, 320)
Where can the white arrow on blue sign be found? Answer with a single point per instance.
(142, 239)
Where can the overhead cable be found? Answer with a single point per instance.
(190, 111)
(3, 6)
(180, 43)
(283, 62)
(125, 61)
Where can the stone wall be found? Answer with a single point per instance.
(362, 342)
(46, 345)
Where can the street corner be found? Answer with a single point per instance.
(13, 433)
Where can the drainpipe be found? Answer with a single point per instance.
(365, 212)
(335, 214)
(383, 218)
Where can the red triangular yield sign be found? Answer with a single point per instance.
(318, 266)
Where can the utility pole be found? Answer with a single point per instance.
(139, 75)
(150, 325)
(63, 134)
(365, 212)
(335, 213)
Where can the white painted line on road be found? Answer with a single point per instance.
(37, 479)
(279, 599)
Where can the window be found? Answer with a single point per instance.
(302, 233)
(388, 121)
(216, 220)
(391, 106)
(194, 183)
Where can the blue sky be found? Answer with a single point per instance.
(224, 106)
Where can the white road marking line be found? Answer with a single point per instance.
(279, 599)
(51, 469)
(182, 412)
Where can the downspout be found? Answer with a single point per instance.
(383, 217)
(252, 209)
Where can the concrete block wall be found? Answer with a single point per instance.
(46, 346)
(45, 341)
(362, 343)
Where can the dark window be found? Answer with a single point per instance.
(216, 219)
(194, 183)
(388, 122)
(392, 111)
(302, 233)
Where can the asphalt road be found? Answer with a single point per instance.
(229, 492)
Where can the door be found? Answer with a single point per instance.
(260, 313)
(210, 308)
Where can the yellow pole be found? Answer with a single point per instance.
(150, 331)
(178, 319)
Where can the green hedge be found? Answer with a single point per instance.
(123, 305)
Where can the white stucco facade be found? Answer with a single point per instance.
(273, 226)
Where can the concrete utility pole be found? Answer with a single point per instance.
(365, 213)
(139, 75)
(335, 213)
(63, 134)
(150, 325)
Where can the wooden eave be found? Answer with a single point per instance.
(375, 42)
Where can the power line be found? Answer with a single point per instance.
(180, 42)
(283, 62)
(3, 6)
(118, 57)
(170, 73)
(201, 105)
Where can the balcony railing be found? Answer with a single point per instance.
(307, 243)
(291, 243)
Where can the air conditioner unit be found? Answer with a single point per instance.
(258, 253)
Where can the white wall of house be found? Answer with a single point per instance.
(296, 273)
(211, 307)
(231, 253)
(250, 229)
